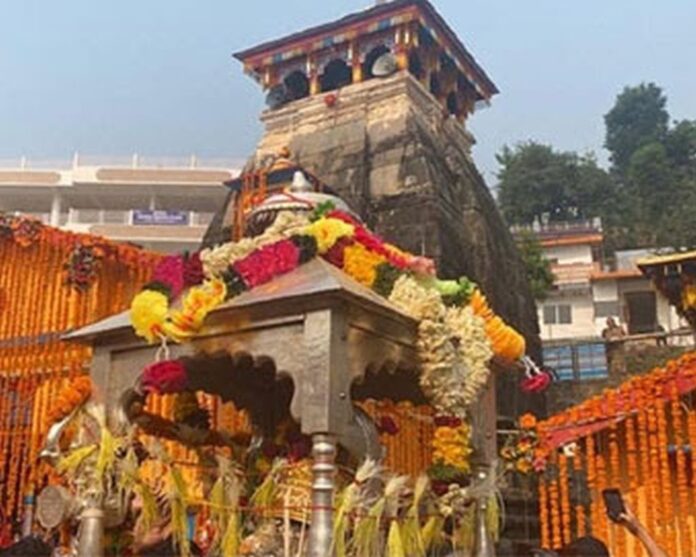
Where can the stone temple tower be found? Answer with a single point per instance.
(376, 105)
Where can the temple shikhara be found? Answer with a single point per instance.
(349, 365)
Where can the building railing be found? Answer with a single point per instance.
(122, 161)
(560, 228)
(107, 217)
(591, 358)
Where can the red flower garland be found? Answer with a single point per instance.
(267, 262)
(170, 271)
(164, 377)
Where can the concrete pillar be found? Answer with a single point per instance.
(56, 205)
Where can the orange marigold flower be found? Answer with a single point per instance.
(528, 421)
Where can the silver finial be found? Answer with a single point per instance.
(300, 183)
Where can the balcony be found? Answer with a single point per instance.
(574, 273)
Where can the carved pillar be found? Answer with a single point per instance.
(401, 42)
(313, 75)
(356, 63)
(323, 484)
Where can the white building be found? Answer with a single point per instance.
(161, 205)
(586, 292)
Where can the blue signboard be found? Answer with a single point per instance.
(161, 218)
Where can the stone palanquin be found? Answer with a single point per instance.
(394, 146)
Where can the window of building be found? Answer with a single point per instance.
(591, 361)
(558, 314)
(607, 309)
(565, 316)
(560, 358)
(577, 362)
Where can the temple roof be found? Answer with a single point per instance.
(378, 16)
(671, 259)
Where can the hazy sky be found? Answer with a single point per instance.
(113, 77)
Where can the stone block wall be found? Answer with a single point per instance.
(387, 149)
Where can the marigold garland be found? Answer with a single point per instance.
(631, 438)
(453, 375)
(74, 394)
(451, 445)
(59, 280)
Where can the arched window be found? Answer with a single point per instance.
(425, 39)
(297, 85)
(447, 63)
(435, 85)
(336, 74)
(371, 58)
(414, 65)
(452, 104)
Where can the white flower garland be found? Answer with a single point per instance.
(216, 260)
(453, 347)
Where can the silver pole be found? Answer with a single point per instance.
(484, 544)
(323, 484)
(91, 536)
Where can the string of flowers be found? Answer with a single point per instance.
(580, 516)
(73, 395)
(39, 301)
(682, 482)
(453, 341)
(519, 451)
(451, 451)
(544, 521)
(665, 479)
(564, 497)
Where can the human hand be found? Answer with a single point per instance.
(630, 521)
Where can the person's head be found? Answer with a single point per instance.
(586, 546)
(28, 547)
(611, 322)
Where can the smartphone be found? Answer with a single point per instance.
(614, 503)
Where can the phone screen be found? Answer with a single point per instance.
(613, 501)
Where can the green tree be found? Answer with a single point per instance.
(639, 116)
(537, 182)
(538, 266)
(680, 144)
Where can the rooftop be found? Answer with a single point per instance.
(375, 18)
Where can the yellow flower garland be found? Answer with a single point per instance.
(328, 231)
(148, 313)
(361, 264)
(452, 446)
(198, 302)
